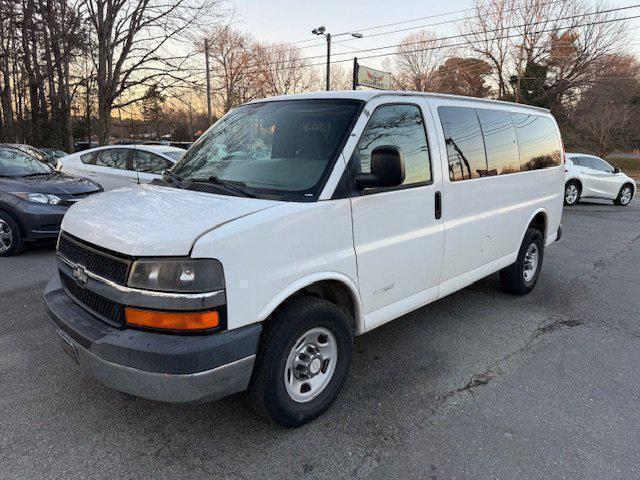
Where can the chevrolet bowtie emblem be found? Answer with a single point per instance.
(80, 275)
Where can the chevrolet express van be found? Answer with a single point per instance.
(294, 224)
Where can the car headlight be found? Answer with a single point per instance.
(46, 198)
(177, 275)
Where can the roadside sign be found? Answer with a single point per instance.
(370, 77)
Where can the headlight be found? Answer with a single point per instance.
(177, 275)
(47, 198)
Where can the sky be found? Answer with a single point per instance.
(293, 20)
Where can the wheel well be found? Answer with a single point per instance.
(539, 222)
(12, 215)
(333, 291)
(577, 182)
(633, 187)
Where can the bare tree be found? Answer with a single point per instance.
(133, 42)
(282, 70)
(416, 60)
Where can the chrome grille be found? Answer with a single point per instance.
(106, 309)
(106, 265)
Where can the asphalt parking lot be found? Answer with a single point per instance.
(477, 385)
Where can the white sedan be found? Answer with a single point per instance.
(116, 166)
(588, 176)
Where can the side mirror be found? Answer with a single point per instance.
(616, 170)
(387, 169)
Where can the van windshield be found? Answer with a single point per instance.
(279, 149)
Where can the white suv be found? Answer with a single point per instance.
(588, 176)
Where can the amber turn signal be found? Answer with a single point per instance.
(186, 321)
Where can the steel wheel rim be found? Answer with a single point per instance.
(311, 364)
(531, 259)
(6, 236)
(571, 194)
(626, 195)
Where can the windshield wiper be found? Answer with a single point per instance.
(177, 181)
(236, 187)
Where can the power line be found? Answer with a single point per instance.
(456, 44)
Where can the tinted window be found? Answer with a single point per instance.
(148, 162)
(175, 154)
(112, 157)
(601, 165)
(463, 137)
(403, 127)
(582, 161)
(538, 141)
(500, 142)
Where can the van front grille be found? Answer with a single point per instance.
(104, 264)
(106, 309)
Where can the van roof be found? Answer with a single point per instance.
(367, 95)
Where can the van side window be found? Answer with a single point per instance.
(402, 126)
(538, 141)
(465, 147)
(500, 141)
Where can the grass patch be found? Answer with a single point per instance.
(627, 163)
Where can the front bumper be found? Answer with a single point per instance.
(40, 221)
(157, 366)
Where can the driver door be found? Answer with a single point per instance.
(398, 235)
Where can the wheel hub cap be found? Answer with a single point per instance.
(626, 196)
(310, 364)
(530, 262)
(6, 236)
(571, 194)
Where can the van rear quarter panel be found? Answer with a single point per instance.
(271, 254)
(485, 219)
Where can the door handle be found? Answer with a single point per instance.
(438, 205)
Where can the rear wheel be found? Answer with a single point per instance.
(521, 277)
(571, 193)
(10, 236)
(302, 363)
(624, 196)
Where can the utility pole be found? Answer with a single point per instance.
(206, 60)
(355, 74)
(321, 31)
(328, 36)
(518, 81)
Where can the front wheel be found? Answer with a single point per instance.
(571, 193)
(10, 236)
(521, 277)
(302, 363)
(624, 196)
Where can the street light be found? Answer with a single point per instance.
(321, 31)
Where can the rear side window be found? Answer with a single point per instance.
(500, 142)
(582, 161)
(465, 147)
(112, 157)
(538, 141)
(402, 126)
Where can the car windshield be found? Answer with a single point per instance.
(14, 163)
(174, 154)
(281, 148)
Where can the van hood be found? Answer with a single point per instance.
(152, 220)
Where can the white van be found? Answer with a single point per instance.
(294, 224)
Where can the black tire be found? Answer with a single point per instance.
(572, 183)
(513, 277)
(619, 200)
(12, 237)
(267, 391)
